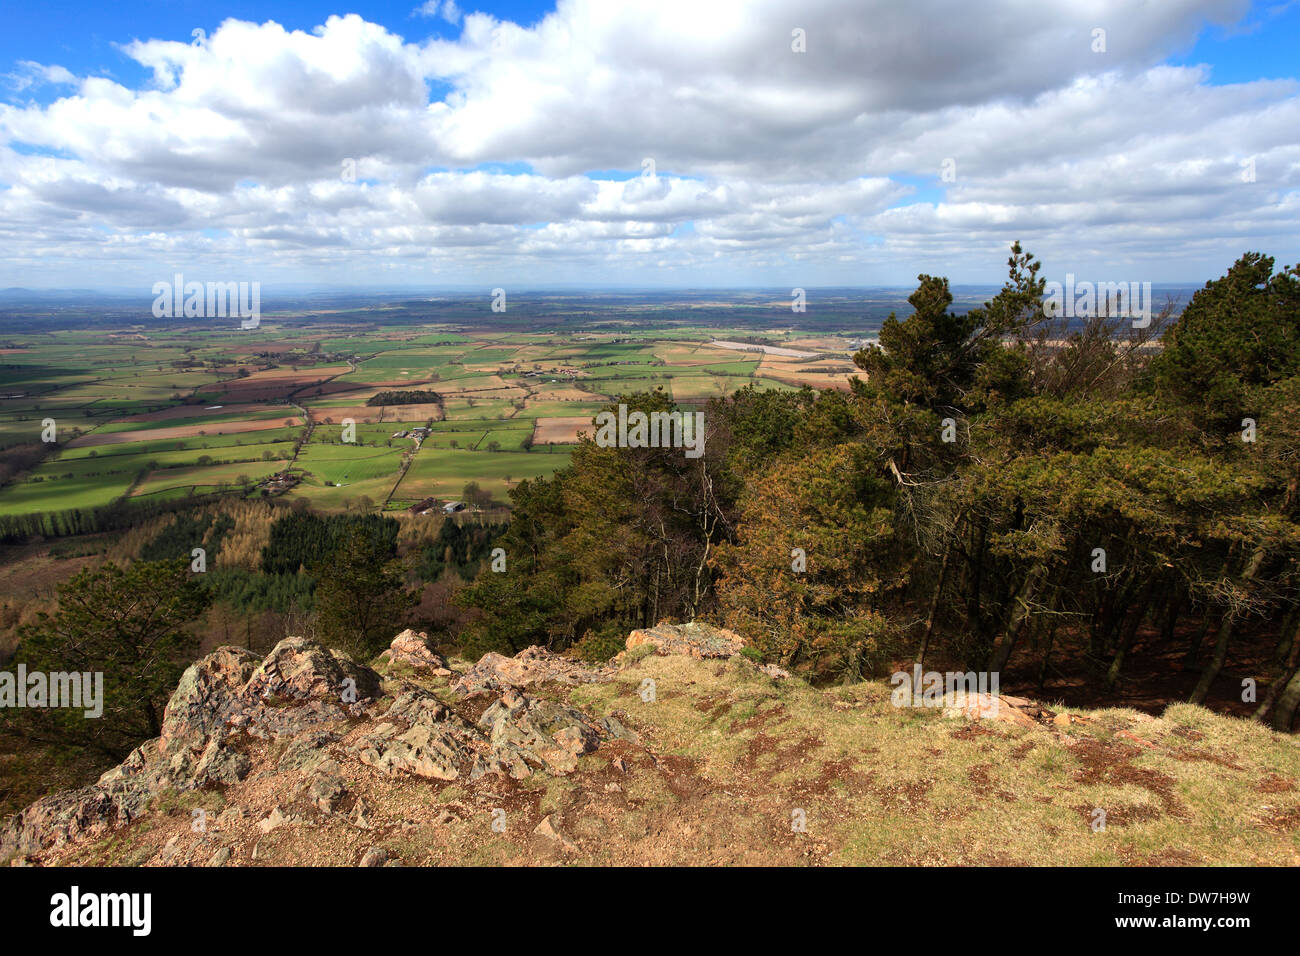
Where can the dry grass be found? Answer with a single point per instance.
(727, 757)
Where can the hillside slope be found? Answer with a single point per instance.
(679, 752)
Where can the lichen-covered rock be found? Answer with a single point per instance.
(327, 787)
(420, 736)
(538, 733)
(531, 667)
(230, 703)
(412, 649)
(436, 751)
(296, 688)
(72, 815)
(300, 669)
(220, 765)
(375, 856)
(694, 639)
(208, 692)
(517, 735)
(306, 751)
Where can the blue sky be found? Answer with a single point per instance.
(507, 142)
(85, 37)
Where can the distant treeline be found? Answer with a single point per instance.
(124, 513)
(412, 397)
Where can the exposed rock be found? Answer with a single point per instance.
(300, 669)
(327, 790)
(277, 819)
(989, 707)
(529, 668)
(221, 857)
(229, 701)
(220, 765)
(306, 751)
(361, 815)
(72, 815)
(375, 856)
(208, 692)
(527, 732)
(325, 685)
(419, 736)
(170, 850)
(412, 649)
(547, 829)
(438, 752)
(516, 736)
(613, 727)
(695, 640)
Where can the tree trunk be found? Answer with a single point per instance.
(1211, 670)
(934, 608)
(1288, 703)
(1002, 650)
(1129, 632)
(1286, 641)
(1225, 633)
(1285, 667)
(1194, 651)
(1047, 655)
(1172, 611)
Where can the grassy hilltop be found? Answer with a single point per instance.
(717, 766)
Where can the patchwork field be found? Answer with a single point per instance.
(196, 411)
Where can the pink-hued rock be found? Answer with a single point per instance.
(694, 640)
(529, 668)
(412, 648)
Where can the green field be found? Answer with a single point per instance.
(495, 386)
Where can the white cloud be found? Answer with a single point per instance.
(446, 9)
(30, 74)
(482, 154)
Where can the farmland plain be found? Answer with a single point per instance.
(147, 413)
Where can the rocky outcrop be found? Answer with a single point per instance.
(225, 695)
(694, 640)
(323, 713)
(698, 640)
(531, 667)
(411, 648)
(515, 736)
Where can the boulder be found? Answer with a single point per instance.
(298, 669)
(412, 649)
(987, 707)
(533, 733)
(529, 668)
(694, 640)
(375, 856)
(208, 692)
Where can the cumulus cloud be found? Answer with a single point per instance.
(902, 138)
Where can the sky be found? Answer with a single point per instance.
(454, 144)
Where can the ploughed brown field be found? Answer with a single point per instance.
(183, 431)
(561, 431)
